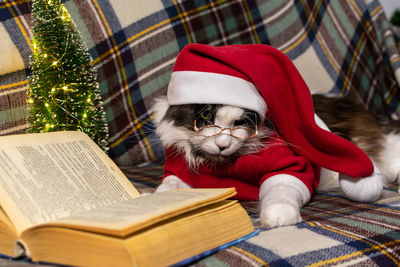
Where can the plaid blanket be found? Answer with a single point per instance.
(337, 46)
(334, 231)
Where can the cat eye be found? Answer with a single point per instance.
(214, 130)
(246, 122)
(240, 122)
(206, 115)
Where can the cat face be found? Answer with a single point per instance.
(215, 133)
(222, 131)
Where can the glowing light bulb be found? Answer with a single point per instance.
(45, 55)
(55, 63)
(47, 105)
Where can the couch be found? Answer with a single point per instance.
(338, 46)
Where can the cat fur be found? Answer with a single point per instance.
(280, 196)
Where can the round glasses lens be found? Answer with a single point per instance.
(209, 130)
(242, 132)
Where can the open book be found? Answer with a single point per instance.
(62, 200)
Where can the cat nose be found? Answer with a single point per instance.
(223, 142)
(221, 148)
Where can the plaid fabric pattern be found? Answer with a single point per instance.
(337, 46)
(334, 231)
(16, 34)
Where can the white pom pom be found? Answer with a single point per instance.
(366, 189)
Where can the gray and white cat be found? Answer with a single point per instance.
(280, 202)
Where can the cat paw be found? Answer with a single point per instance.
(279, 215)
(171, 182)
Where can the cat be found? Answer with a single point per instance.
(241, 132)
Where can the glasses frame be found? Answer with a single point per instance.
(197, 130)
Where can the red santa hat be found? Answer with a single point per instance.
(263, 79)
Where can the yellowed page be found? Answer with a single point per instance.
(44, 177)
(8, 234)
(195, 232)
(4, 218)
(124, 218)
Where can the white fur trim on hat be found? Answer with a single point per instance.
(195, 87)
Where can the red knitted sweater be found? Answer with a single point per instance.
(246, 173)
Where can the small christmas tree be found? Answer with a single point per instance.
(395, 19)
(63, 89)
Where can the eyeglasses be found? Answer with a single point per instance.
(214, 130)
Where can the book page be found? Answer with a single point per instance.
(4, 218)
(44, 177)
(123, 218)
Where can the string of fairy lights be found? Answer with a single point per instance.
(63, 90)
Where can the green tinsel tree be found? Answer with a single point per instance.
(395, 19)
(63, 89)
